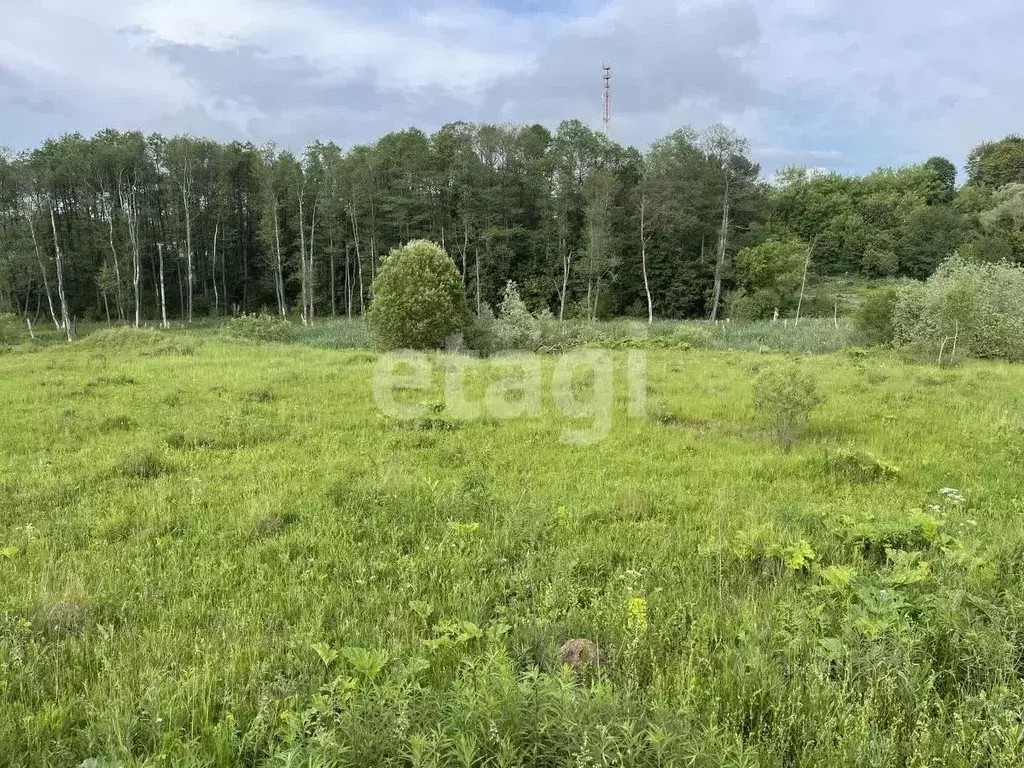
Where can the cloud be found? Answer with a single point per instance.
(817, 82)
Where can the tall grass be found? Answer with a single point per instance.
(230, 557)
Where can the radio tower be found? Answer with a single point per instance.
(607, 99)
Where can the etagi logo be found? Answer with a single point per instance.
(582, 386)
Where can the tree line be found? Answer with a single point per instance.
(140, 229)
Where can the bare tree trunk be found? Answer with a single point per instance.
(186, 192)
(803, 284)
(65, 318)
(42, 270)
(643, 257)
(224, 280)
(348, 282)
(181, 287)
(566, 267)
(465, 247)
(477, 281)
(279, 279)
(566, 256)
(330, 248)
(304, 270)
(359, 258)
(723, 243)
(163, 292)
(213, 270)
(117, 267)
(127, 196)
(312, 272)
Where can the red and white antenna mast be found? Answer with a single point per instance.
(607, 99)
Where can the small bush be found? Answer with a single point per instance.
(418, 299)
(260, 328)
(785, 397)
(858, 467)
(696, 336)
(516, 327)
(480, 333)
(875, 316)
(981, 306)
(561, 336)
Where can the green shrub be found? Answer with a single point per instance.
(980, 306)
(879, 262)
(874, 317)
(516, 327)
(480, 333)
(260, 328)
(769, 277)
(696, 336)
(785, 397)
(858, 467)
(418, 299)
(563, 335)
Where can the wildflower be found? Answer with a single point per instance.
(637, 618)
(953, 495)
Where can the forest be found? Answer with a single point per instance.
(425, 454)
(144, 229)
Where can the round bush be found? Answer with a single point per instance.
(981, 306)
(785, 396)
(875, 315)
(418, 300)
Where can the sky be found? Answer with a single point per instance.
(840, 84)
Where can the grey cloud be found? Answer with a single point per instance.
(660, 56)
(820, 82)
(17, 92)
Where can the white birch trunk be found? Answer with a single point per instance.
(304, 270)
(42, 269)
(64, 316)
(213, 270)
(723, 243)
(163, 291)
(643, 257)
(127, 195)
(108, 214)
(186, 192)
(279, 267)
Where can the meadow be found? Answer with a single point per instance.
(219, 553)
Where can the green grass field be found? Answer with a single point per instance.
(225, 554)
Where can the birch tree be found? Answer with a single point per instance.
(728, 153)
(127, 193)
(181, 153)
(65, 317)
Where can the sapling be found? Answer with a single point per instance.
(785, 397)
